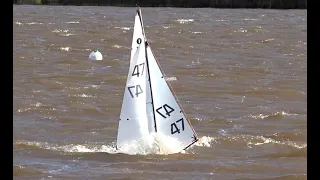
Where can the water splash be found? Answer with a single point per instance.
(204, 141)
(153, 144)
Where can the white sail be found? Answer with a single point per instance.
(137, 33)
(170, 118)
(133, 124)
(148, 104)
(149, 109)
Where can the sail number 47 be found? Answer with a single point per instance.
(174, 127)
(167, 109)
(137, 88)
(165, 112)
(136, 71)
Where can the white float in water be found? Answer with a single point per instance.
(95, 55)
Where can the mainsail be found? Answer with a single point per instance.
(133, 124)
(149, 104)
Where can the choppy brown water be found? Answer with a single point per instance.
(240, 75)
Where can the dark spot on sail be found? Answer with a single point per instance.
(139, 40)
(180, 111)
(127, 119)
(162, 77)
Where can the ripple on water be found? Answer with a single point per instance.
(239, 74)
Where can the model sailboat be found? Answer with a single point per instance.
(149, 104)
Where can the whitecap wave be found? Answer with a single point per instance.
(33, 23)
(264, 140)
(62, 32)
(117, 46)
(262, 116)
(123, 28)
(184, 21)
(64, 48)
(72, 22)
(170, 78)
(18, 23)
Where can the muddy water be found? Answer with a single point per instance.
(240, 75)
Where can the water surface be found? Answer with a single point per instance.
(240, 74)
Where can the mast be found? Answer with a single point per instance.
(146, 44)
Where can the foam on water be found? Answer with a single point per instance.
(123, 28)
(152, 144)
(157, 144)
(64, 48)
(171, 78)
(28, 23)
(62, 32)
(92, 86)
(22, 110)
(72, 22)
(117, 46)
(272, 141)
(184, 21)
(82, 95)
(33, 23)
(204, 141)
(68, 34)
(250, 19)
(261, 116)
(18, 23)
